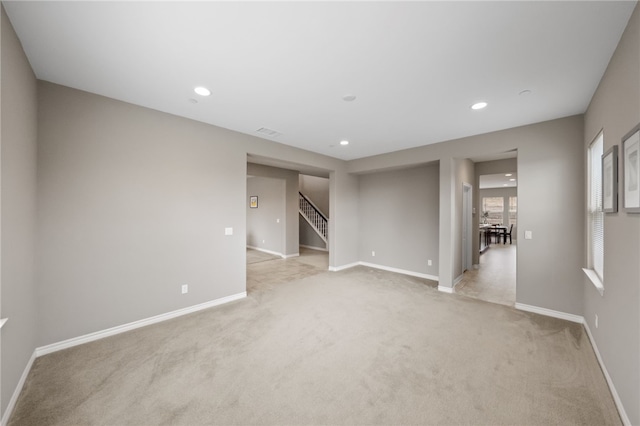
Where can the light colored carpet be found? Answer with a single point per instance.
(255, 256)
(361, 346)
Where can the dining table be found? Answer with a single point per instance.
(489, 230)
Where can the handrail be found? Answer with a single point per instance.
(313, 205)
(313, 216)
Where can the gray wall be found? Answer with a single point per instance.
(343, 225)
(290, 220)
(133, 204)
(18, 212)
(309, 237)
(399, 218)
(615, 108)
(266, 224)
(549, 153)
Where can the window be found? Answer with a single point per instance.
(493, 210)
(595, 214)
(513, 211)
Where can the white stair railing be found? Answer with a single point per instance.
(314, 217)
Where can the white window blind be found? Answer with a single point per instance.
(513, 211)
(492, 210)
(596, 215)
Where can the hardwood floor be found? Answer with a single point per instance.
(495, 279)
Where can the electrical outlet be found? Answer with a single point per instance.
(185, 289)
(596, 320)
(277, 220)
(228, 231)
(429, 262)
(373, 253)
(528, 235)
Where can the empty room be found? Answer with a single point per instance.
(313, 213)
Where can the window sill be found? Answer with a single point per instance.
(593, 277)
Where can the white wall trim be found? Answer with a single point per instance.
(399, 271)
(458, 279)
(595, 280)
(343, 267)
(612, 388)
(550, 313)
(384, 268)
(287, 256)
(314, 248)
(16, 393)
(445, 289)
(275, 253)
(54, 347)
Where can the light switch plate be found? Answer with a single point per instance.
(528, 235)
(228, 231)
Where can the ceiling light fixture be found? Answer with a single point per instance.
(479, 105)
(202, 91)
(508, 174)
(512, 180)
(344, 142)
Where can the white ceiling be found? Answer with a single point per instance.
(415, 67)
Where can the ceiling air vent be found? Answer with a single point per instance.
(268, 132)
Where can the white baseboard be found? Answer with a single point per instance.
(54, 347)
(612, 388)
(314, 248)
(384, 268)
(550, 313)
(18, 390)
(287, 256)
(275, 253)
(458, 279)
(399, 271)
(445, 289)
(343, 267)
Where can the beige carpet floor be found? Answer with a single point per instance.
(357, 347)
(255, 256)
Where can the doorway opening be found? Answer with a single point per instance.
(494, 249)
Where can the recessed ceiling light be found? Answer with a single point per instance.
(344, 142)
(349, 98)
(202, 91)
(512, 180)
(506, 184)
(479, 105)
(508, 174)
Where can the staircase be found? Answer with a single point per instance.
(313, 216)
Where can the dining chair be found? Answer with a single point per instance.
(507, 235)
